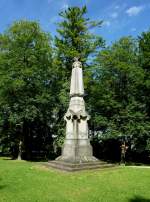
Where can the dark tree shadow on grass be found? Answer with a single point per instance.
(139, 199)
(2, 186)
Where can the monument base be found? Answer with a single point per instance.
(77, 151)
(77, 155)
(67, 166)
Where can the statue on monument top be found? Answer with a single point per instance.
(77, 63)
(77, 88)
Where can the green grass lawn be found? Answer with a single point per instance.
(22, 181)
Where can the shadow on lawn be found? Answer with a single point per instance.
(139, 199)
(2, 186)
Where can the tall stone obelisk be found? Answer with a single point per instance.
(76, 148)
(77, 151)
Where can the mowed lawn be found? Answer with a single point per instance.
(29, 181)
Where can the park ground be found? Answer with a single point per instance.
(22, 181)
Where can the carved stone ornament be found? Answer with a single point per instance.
(76, 63)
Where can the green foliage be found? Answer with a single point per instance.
(144, 61)
(115, 93)
(74, 39)
(26, 93)
(144, 47)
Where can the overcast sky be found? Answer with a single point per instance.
(120, 17)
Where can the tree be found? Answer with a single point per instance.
(115, 100)
(27, 87)
(144, 62)
(73, 40)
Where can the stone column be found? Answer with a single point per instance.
(77, 148)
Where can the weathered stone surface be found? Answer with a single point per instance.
(71, 167)
(77, 151)
(77, 87)
(77, 148)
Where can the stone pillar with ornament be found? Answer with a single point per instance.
(77, 148)
(77, 152)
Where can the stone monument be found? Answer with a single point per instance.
(77, 148)
(77, 151)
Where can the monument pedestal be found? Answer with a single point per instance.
(72, 167)
(77, 151)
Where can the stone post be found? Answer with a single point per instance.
(76, 148)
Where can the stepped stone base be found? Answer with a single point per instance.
(66, 166)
